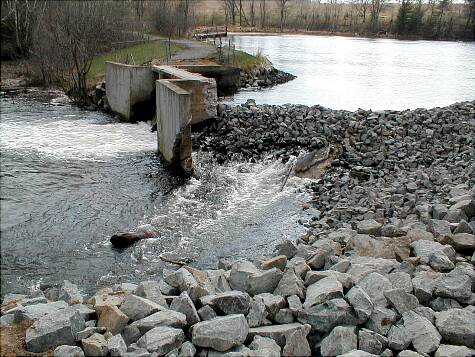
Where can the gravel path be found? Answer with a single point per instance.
(193, 50)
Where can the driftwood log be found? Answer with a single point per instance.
(125, 239)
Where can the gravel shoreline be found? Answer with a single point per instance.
(386, 268)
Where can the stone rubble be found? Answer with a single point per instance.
(385, 268)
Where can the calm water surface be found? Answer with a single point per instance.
(71, 178)
(352, 73)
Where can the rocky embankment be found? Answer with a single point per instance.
(386, 268)
(265, 77)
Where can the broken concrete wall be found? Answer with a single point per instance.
(174, 124)
(130, 91)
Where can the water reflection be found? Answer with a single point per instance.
(352, 73)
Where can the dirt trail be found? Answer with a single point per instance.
(192, 50)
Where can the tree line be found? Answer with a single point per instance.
(429, 19)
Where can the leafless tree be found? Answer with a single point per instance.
(263, 13)
(376, 7)
(283, 13)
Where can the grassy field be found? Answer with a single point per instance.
(243, 60)
(136, 54)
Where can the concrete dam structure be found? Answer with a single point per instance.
(177, 96)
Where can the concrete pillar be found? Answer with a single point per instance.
(174, 124)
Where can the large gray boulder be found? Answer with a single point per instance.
(151, 290)
(136, 307)
(457, 326)
(401, 280)
(399, 338)
(424, 249)
(290, 284)
(424, 336)
(184, 305)
(325, 316)
(167, 318)
(424, 283)
(401, 300)
(257, 315)
(53, 330)
(264, 281)
(381, 320)
(369, 226)
(162, 340)
(361, 302)
(240, 273)
(324, 289)
(375, 284)
(340, 340)
(456, 285)
(297, 343)
(70, 293)
(34, 312)
(230, 302)
(220, 333)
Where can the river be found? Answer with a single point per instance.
(351, 73)
(71, 178)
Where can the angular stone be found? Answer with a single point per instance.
(424, 249)
(365, 245)
(408, 353)
(442, 304)
(284, 316)
(424, 283)
(184, 305)
(457, 326)
(424, 336)
(401, 300)
(287, 248)
(131, 334)
(357, 353)
(273, 303)
(299, 266)
(162, 339)
(218, 280)
(371, 342)
(440, 228)
(279, 262)
(88, 332)
(116, 346)
(181, 279)
(455, 285)
(297, 344)
(290, 284)
(462, 242)
(340, 340)
(257, 314)
(136, 307)
(467, 206)
(401, 280)
(100, 300)
(381, 320)
(324, 317)
(342, 266)
(95, 345)
(264, 282)
(230, 302)
(187, 349)
(221, 333)
(112, 319)
(314, 276)
(369, 226)
(150, 290)
(361, 302)
(295, 305)
(462, 227)
(375, 284)
(263, 346)
(54, 329)
(127, 287)
(240, 274)
(453, 351)
(278, 333)
(70, 293)
(168, 318)
(324, 289)
(206, 313)
(440, 262)
(34, 312)
(398, 337)
(426, 312)
(68, 351)
(319, 258)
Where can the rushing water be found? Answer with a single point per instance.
(352, 73)
(71, 178)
